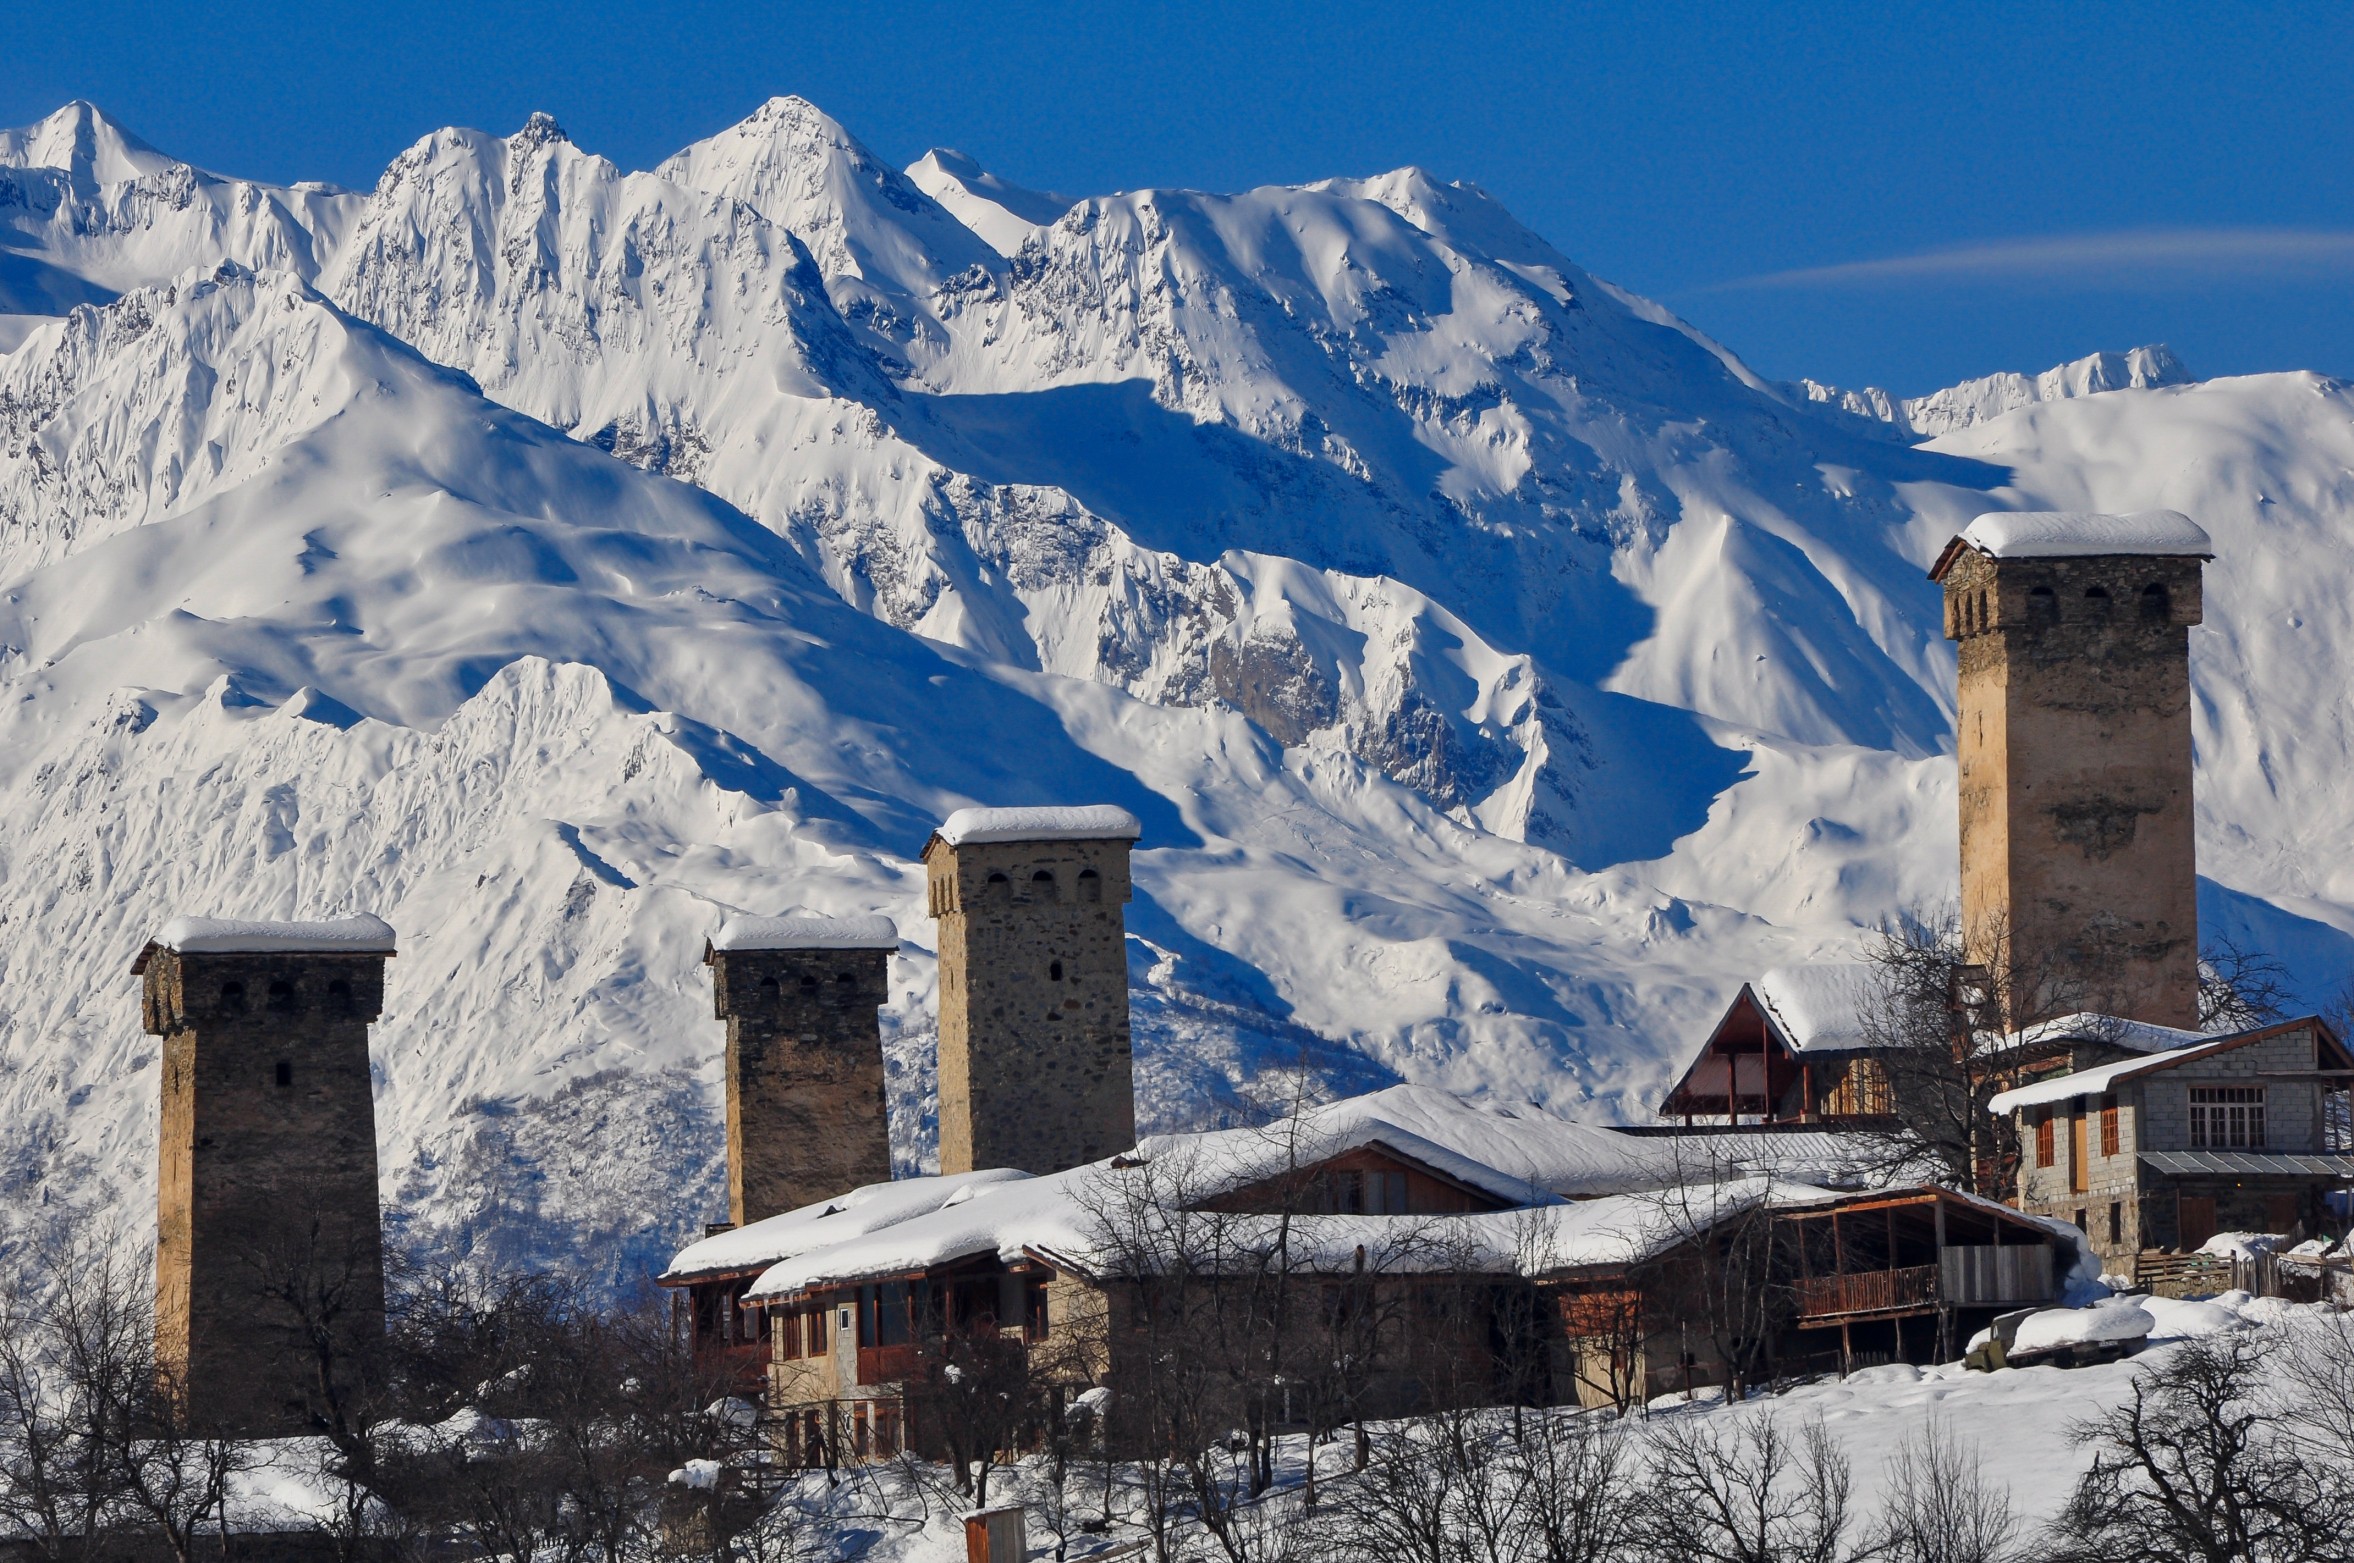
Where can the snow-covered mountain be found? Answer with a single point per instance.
(1990, 396)
(549, 557)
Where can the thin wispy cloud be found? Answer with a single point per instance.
(2138, 252)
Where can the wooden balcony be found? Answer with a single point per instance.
(1867, 1291)
(1970, 1276)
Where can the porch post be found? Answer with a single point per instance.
(1945, 1304)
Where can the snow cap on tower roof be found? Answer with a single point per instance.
(356, 935)
(2079, 534)
(1066, 822)
(806, 931)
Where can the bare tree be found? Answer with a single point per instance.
(1715, 1277)
(2240, 988)
(2195, 1467)
(1939, 1030)
(1577, 1502)
(1743, 1490)
(72, 1357)
(1940, 1506)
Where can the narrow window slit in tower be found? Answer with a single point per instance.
(285, 1073)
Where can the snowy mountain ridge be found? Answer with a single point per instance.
(554, 559)
(1975, 401)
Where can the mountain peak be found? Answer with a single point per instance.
(861, 218)
(540, 130)
(83, 142)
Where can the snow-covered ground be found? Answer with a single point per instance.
(554, 559)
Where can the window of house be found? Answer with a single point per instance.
(2116, 1223)
(1343, 1192)
(1034, 1320)
(891, 1314)
(1386, 1193)
(2109, 1135)
(2227, 1116)
(814, 1337)
(2046, 1141)
(886, 1428)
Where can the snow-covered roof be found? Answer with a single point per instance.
(1523, 1156)
(1517, 1153)
(2103, 1078)
(2140, 1036)
(359, 935)
(806, 931)
(2063, 534)
(870, 1208)
(1820, 1008)
(1073, 822)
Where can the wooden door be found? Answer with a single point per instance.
(2195, 1218)
(2079, 1153)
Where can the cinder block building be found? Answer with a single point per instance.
(1036, 1066)
(267, 1224)
(2156, 1153)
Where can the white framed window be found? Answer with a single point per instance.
(2225, 1117)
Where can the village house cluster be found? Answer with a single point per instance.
(1382, 1253)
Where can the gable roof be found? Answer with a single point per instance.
(1824, 1007)
(2104, 1078)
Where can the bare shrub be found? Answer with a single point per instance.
(1940, 1506)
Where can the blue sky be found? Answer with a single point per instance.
(1895, 194)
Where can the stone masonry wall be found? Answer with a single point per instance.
(2075, 776)
(266, 1172)
(805, 1103)
(1036, 1070)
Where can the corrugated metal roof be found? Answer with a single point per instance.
(2251, 1164)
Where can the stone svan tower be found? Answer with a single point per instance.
(805, 1114)
(1035, 1065)
(267, 1230)
(2078, 876)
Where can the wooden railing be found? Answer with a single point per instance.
(1867, 1291)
